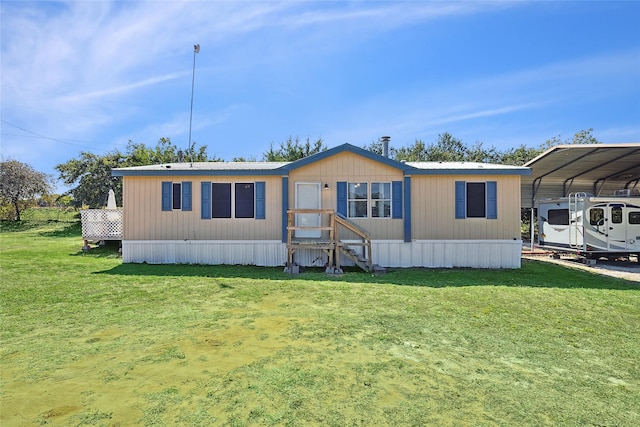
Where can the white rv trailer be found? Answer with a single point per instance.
(590, 225)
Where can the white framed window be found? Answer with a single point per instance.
(380, 200)
(358, 200)
(369, 200)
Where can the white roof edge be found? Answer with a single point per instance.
(208, 166)
(463, 166)
(576, 146)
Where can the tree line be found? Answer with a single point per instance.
(89, 174)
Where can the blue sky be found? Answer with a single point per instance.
(92, 75)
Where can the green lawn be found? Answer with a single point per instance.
(50, 214)
(87, 340)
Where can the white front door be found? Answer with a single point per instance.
(308, 196)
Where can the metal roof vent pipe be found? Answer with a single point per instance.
(385, 145)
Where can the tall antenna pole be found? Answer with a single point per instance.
(196, 49)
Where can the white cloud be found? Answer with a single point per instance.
(629, 133)
(76, 61)
(178, 124)
(96, 70)
(124, 88)
(554, 86)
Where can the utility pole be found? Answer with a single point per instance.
(196, 49)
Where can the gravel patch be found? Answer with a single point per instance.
(628, 269)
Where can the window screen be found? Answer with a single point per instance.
(177, 194)
(220, 200)
(634, 217)
(476, 200)
(244, 200)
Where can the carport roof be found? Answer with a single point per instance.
(599, 169)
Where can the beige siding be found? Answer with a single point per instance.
(145, 220)
(433, 206)
(351, 168)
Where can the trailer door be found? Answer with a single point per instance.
(308, 196)
(617, 233)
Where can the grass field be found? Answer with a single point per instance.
(87, 340)
(50, 214)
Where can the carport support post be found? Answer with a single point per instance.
(531, 226)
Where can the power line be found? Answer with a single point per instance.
(37, 135)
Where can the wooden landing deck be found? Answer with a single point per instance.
(328, 226)
(312, 243)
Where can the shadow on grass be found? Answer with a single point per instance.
(110, 249)
(63, 228)
(534, 274)
(17, 226)
(67, 230)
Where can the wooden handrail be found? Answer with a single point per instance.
(364, 235)
(353, 244)
(299, 227)
(335, 220)
(312, 211)
(344, 221)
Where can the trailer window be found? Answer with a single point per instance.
(616, 215)
(357, 199)
(476, 199)
(634, 217)
(220, 200)
(177, 193)
(244, 200)
(558, 216)
(381, 200)
(596, 216)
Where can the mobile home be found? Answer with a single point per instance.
(309, 212)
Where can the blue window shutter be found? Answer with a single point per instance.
(396, 201)
(492, 200)
(341, 189)
(186, 195)
(205, 197)
(407, 209)
(461, 202)
(285, 207)
(260, 200)
(167, 189)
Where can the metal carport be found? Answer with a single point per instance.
(599, 169)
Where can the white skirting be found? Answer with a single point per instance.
(448, 253)
(260, 252)
(387, 253)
